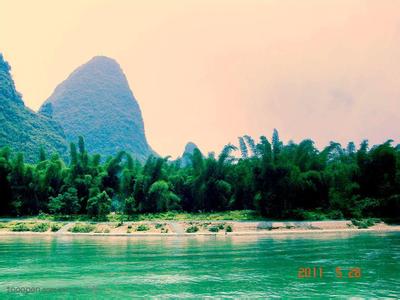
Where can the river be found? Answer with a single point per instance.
(339, 265)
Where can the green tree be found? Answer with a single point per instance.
(99, 206)
(66, 203)
(162, 198)
(5, 185)
(130, 206)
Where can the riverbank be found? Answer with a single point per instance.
(182, 228)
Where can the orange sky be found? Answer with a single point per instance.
(210, 71)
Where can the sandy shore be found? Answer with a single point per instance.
(194, 228)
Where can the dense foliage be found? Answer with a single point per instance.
(21, 128)
(277, 180)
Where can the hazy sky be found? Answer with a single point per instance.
(210, 71)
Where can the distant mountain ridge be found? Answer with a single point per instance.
(21, 128)
(95, 102)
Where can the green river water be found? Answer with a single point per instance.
(65, 267)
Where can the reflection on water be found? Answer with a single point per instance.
(192, 267)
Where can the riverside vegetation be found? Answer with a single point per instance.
(270, 179)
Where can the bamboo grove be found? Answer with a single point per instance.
(277, 180)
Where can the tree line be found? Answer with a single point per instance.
(277, 180)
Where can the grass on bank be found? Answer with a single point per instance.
(20, 227)
(33, 226)
(40, 227)
(234, 215)
(43, 222)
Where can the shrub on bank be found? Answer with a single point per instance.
(82, 228)
(365, 223)
(20, 227)
(159, 226)
(3, 225)
(55, 227)
(192, 229)
(40, 227)
(143, 227)
(213, 229)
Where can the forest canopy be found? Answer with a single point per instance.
(275, 179)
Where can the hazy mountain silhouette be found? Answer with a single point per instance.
(95, 101)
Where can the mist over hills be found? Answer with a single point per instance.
(21, 128)
(95, 102)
